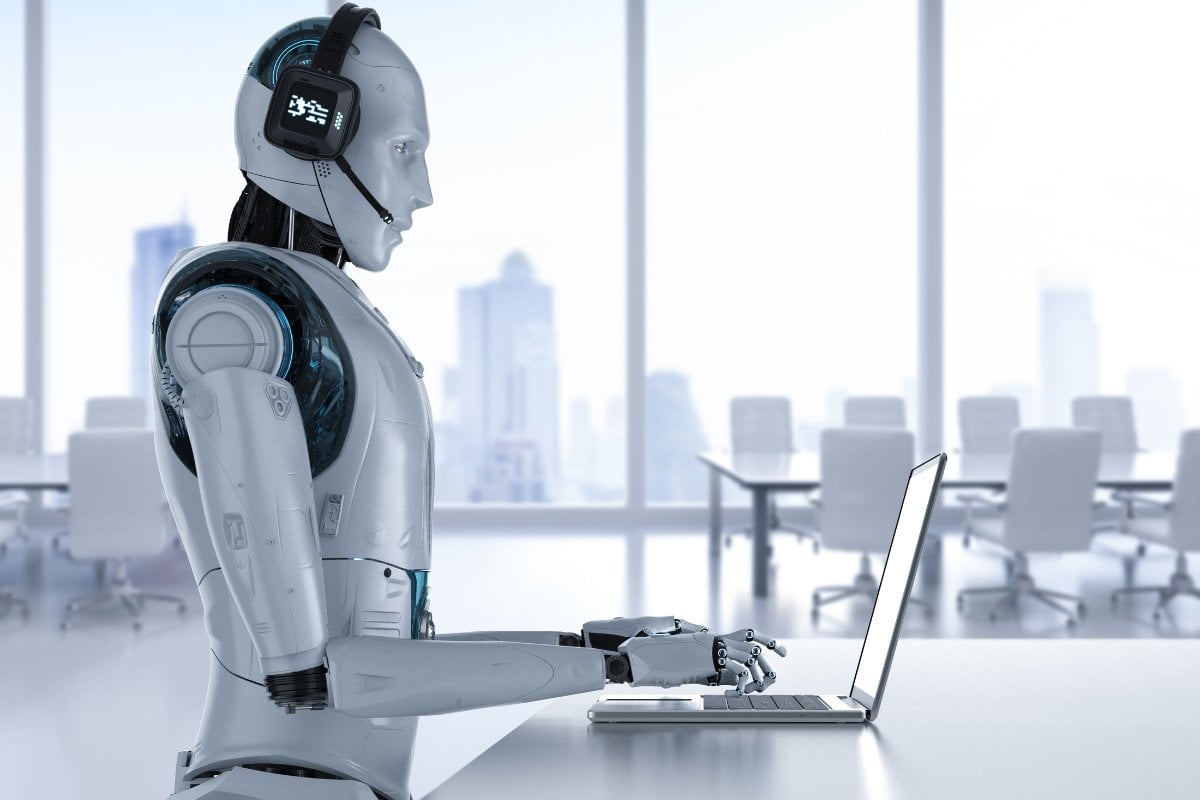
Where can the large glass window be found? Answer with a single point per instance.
(510, 288)
(1072, 194)
(781, 217)
(141, 163)
(12, 209)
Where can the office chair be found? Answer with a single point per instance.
(875, 412)
(863, 475)
(1112, 416)
(115, 412)
(1178, 528)
(16, 439)
(1047, 508)
(116, 513)
(986, 423)
(763, 425)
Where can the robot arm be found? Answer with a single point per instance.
(256, 486)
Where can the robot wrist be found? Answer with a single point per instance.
(306, 688)
(617, 668)
(570, 640)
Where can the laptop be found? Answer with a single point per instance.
(862, 702)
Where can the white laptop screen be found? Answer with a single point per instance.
(896, 579)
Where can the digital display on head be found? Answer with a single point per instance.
(310, 110)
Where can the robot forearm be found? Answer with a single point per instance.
(560, 638)
(377, 677)
(256, 487)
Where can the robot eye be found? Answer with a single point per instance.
(402, 148)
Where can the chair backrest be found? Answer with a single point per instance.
(986, 424)
(116, 495)
(863, 475)
(1112, 416)
(1051, 489)
(760, 425)
(1185, 502)
(16, 426)
(875, 412)
(115, 412)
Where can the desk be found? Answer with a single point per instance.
(763, 473)
(33, 473)
(961, 718)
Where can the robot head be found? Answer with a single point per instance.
(372, 167)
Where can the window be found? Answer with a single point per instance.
(12, 213)
(781, 218)
(140, 161)
(1072, 190)
(510, 288)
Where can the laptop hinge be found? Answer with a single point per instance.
(850, 701)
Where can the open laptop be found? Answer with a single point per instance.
(866, 689)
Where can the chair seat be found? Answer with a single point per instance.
(1152, 529)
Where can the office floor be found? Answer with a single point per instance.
(100, 711)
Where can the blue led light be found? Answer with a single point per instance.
(287, 51)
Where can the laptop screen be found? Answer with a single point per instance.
(896, 581)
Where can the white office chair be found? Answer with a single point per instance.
(863, 475)
(116, 512)
(1047, 508)
(1112, 416)
(115, 412)
(986, 424)
(763, 425)
(875, 412)
(1178, 528)
(16, 439)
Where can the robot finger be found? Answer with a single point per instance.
(768, 673)
(740, 651)
(767, 642)
(683, 626)
(743, 678)
(757, 681)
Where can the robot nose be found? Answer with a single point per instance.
(421, 202)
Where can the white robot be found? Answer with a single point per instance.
(294, 441)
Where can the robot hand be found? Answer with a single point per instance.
(672, 660)
(607, 634)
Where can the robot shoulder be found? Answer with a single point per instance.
(239, 305)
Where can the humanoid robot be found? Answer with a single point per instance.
(294, 440)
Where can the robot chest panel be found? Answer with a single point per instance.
(382, 485)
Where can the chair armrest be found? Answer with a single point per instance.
(974, 498)
(13, 499)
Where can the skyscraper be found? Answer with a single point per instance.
(1070, 358)
(154, 250)
(508, 385)
(673, 436)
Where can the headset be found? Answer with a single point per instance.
(314, 110)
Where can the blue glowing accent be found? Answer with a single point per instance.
(418, 579)
(285, 360)
(287, 51)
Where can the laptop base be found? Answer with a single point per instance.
(690, 708)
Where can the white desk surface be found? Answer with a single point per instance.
(34, 472)
(1148, 471)
(976, 719)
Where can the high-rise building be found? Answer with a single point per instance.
(154, 250)
(1157, 407)
(508, 385)
(673, 437)
(1070, 352)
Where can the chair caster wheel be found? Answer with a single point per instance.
(137, 626)
(1157, 617)
(1071, 623)
(182, 609)
(62, 626)
(992, 617)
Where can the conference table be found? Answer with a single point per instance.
(34, 472)
(764, 473)
(977, 718)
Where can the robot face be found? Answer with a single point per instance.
(388, 152)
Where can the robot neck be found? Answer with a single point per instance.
(259, 218)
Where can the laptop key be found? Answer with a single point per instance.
(739, 702)
(810, 702)
(787, 703)
(762, 701)
(714, 702)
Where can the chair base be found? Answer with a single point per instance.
(775, 524)
(9, 601)
(1021, 584)
(1180, 584)
(865, 585)
(120, 590)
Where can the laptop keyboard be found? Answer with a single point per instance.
(767, 702)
